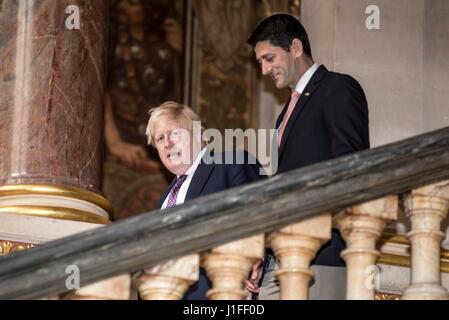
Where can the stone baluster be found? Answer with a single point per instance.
(117, 288)
(361, 227)
(169, 280)
(295, 246)
(426, 208)
(228, 266)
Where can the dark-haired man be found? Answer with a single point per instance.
(325, 117)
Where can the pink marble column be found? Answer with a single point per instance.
(52, 82)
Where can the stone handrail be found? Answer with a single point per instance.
(267, 206)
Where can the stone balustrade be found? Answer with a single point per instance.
(295, 247)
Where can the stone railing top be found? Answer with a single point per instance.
(205, 223)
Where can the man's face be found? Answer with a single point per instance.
(174, 143)
(277, 63)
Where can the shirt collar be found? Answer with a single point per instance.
(195, 164)
(304, 80)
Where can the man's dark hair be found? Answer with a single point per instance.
(280, 29)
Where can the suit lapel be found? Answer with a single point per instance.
(312, 85)
(282, 114)
(167, 191)
(199, 180)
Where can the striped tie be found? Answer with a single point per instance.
(174, 191)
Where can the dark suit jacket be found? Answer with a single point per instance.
(330, 119)
(208, 179)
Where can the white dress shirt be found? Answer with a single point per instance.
(304, 80)
(185, 185)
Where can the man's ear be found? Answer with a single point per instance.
(297, 48)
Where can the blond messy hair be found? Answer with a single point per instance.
(171, 111)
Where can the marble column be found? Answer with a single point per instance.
(52, 83)
(361, 227)
(426, 208)
(52, 79)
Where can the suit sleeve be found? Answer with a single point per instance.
(346, 117)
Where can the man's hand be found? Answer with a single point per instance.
(252, 284)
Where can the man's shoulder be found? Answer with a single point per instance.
(341, 81)
(340, 77)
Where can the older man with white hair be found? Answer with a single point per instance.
(182, 151)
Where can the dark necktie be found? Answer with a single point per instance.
(174, 191)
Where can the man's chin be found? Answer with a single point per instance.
(279, 84)
(178, 168)
(176, 171)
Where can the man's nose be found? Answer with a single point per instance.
(167, 141)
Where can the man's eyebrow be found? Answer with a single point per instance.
(265, 56)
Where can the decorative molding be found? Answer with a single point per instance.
(386, 296)
(55, 213)
(392, 237)
(404, 260)
(56, 190)
(8, 247)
